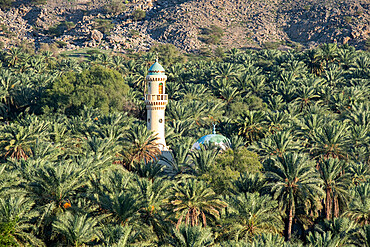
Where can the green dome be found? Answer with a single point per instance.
(156, 69)
(213, 139)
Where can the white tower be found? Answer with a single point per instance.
(156, 101)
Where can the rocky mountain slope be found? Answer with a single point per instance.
(191, 25)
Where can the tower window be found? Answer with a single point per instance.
(148, 120)
(160, 120)
(160, 89)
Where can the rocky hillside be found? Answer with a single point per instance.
(191, 25)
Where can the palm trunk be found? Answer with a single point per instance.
(336, 207)
(327, 204)
(290, 221)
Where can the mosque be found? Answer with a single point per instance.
(156, 100)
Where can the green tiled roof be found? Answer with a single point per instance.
(156, 69)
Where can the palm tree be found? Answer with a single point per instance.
(346, 57)
(54, 187)
(122, 206)
(150, 170)
(181, 148)
(7, 87)
(229, 94)
(153, 199)
(359, 207)
(324, 240)
(16, 139)
(9, 180)
(329, 52)
(16, 215)
(276, 144)
(191, 236)
(122, 236)
(305, 96)
(330, 140)
(13, 56)
(203, 159)
(276, 102)
(359, 172)
(257, 85)
(333, 75)
(269, 239)
(362, 236)
(117, 62)
(314, 62)
(252, 214)
(250, 183)
(193, 202)
(194, 92)
(77, 229)
(339, 227)
(292, 178)
(227, 71)
(335, 185)
(252, 125)
(141, 145)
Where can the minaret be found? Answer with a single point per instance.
(156, 101)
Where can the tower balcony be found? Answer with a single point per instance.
(156, 99)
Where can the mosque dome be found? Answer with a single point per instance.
(213, 139)
(156, 69)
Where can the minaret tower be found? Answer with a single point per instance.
(156, 100)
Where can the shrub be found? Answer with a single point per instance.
(212, 35)
(138, 14)
(348, 19)
(219, 52)
(60, 28)
(134, 33)
(93, 52)
(103, 25)
(5, 4)
(367, 44)
(61, 44)
(39, 2)
(115, 7)
(271, 45)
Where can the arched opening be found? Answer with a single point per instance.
(160, 89)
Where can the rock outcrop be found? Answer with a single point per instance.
(188, 24)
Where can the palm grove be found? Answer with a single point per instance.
(78, 165)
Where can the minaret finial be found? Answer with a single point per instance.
(156, 56)
(214, 129)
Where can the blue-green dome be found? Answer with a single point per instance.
(213, 139)
(156, 69)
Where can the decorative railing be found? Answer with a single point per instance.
(156, 97)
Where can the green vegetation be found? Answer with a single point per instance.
(167, 53)
(348, 19)
(5, 4)
(138, 14)
(271, 45)
(367, 44)
(97, 87)
(103, 25)
(39, 2)
(60, 28)
(212, 35)
(78, 166)
(115, 7)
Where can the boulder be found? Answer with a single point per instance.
(96, 35)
